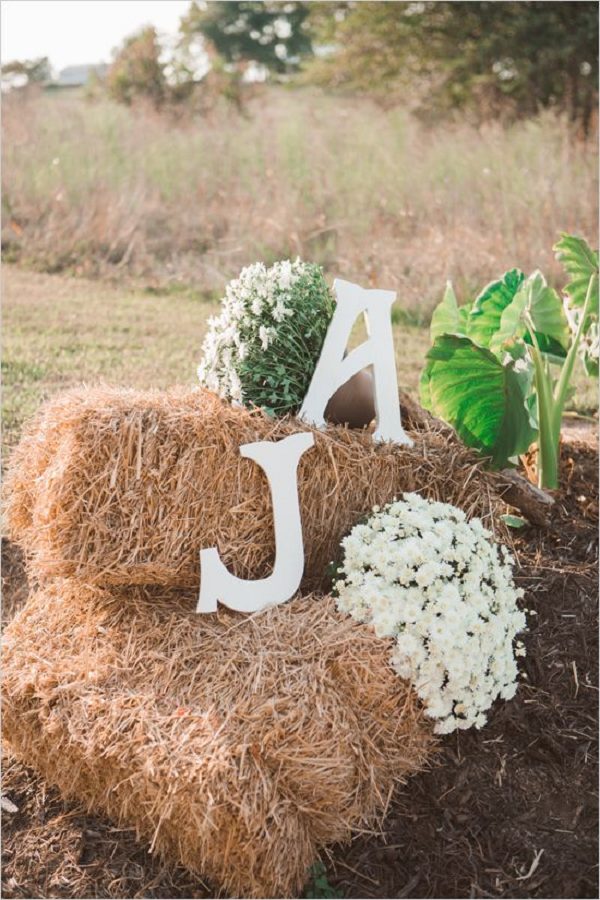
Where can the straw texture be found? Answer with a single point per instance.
(119, 487)
(236, 745)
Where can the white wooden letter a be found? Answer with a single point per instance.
(280, 463)
(333, 370)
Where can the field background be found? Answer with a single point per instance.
(92, 188)
(121, 228)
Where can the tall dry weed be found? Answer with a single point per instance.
(369, 193)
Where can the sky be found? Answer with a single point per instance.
(72, 32)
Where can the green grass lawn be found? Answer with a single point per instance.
(61, 331)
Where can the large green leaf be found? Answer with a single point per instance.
(535, 304)
(448, 317)
(553, 351)
(482, 399)
(444, 319)
(523, 365)
(484, 318)
(580, 263)
(464, 312)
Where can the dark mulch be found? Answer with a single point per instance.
(525, 785)
(510, 811)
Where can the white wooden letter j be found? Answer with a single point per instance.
(280, 463)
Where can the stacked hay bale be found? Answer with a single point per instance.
(237, 745)
(119, 487)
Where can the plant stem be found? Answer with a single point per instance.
(551, 405)
(562, 385)
(547, 445)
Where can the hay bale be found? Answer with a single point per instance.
(119, 487)
(235, 745)
(32, 457)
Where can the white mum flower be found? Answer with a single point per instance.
(279, 311)
(285, 274)
(265, 337)
(420, 573)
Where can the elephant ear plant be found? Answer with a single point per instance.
(499, 369)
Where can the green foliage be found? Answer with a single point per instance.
(137, 72)
(490, 57)
(490, 371)
(447, 317)
(483, 399)
(274, 35)
(581, 263)
(535, 312)
(514, 521)
(489, 306)
(231, 34)
(318, 887)
(277, 379)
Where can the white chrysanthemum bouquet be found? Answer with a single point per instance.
(263, 348)
(419, 572)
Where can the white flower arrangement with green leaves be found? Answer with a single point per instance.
(261, 351)
(418, 572)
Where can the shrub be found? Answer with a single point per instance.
(262, 349)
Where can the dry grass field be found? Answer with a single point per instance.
(93, 188)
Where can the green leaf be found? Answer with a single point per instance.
(484, 318)
(590, 364)
(514, 521)
(464, 312)
(589, 350)
(318, 887)
(482, 399)
(554, 352)
(580, 262)
(519, 354)
(538, 304)
(446, 315)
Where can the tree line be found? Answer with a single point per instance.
(488, 59)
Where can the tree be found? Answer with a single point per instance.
(21, 73)
(490, 56)
(274, 35)
(137, 71)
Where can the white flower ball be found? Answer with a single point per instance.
(438, 585)
(261, 351)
